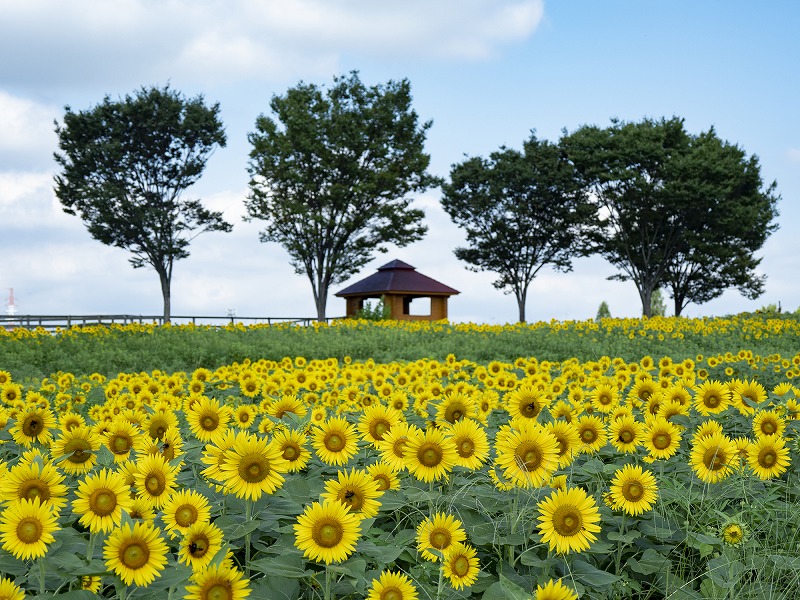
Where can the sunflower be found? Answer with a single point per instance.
(34, 424)
(528, 455)
(626, 434)
(287, 404)
(100, 499)
(592, 432)
(26, 527)
(768, 456)
(392, 446)
(327, 532)
(201, 542)
(10, 591)
(525, 402)
(768, 422)
(69, 420)
(157, 423)
(713, 457)
(376, 421)
(643, 389)
(155, 479)
(214, 455)
(357, 490)
(554, 590)
(708, 427)
(733, 532)
(568, 520)
(34, 479)
(384, 475)
(472, 444)
(79, 448)
(136, 554)
(604, 398)
(208, 419)
(430, 455)
(438, 533)
(460, 565)
(11, 393)
(662, 438)
(183, 509)
(566, 435)
(455, 406)
(747, 395)
(633, 490)
(292, 446)
(91, 583)
(218, 582)
(251, 467)
(711, 397)
(335, 441)
(245, 415)
(392, 586)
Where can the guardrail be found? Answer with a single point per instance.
(51, 322)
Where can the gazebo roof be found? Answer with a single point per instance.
(397, 277)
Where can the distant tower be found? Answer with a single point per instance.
(11, 308)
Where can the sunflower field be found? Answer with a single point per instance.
(627, 458)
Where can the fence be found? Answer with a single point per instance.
(51, 322)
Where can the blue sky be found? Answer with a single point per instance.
(485, 72)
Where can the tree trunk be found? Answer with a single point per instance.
(321, 301)
(165, 293)
(521, 295)
(646, 296)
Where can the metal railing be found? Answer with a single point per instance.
(52, 322)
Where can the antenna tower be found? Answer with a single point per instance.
(11, 308)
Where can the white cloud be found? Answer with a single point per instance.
(27, 134)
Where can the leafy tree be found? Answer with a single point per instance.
(658, 307)
(603, 312)
(331, 175)
(125, 165)
(520, 211)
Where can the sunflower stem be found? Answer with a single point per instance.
(90, 547)
(327, 582)
(41, 575)
(620, 544)
(248, 514)
(441, 579)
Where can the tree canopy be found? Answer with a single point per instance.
(331, 175)
(520, 211)
(125, 165)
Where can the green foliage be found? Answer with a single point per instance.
(331, 175)
(125, 165)
(380, 312)
(657, 306)
(603, 311)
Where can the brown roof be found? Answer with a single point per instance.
(395, 277)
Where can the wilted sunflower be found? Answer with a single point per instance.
(26, 527)
(357, 490)
(592, 432)
(34, 424)
(711, 397)
(713, 457)
(438, 533)
(768, 456)
(472, 444)
(79, 448)
(183, 509)
(218, 582)
(292, 446)
(253, 466)
(155, 479)
(430, 455)
(100, 499)
(335, 441)
(136, 554)
(327, 532)
(528, 455)
(626, 434)
(460, 565)
(633, 490)
(392, 586)
(376, 421)
(568, 520)
(662, 438)
(554, 590)
(199, 545)
(34, 479)
(208, 419)
(10, 591)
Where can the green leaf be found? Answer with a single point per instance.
(651, 562)
(288, 566)
(625, 538)
(591, 576)
(512, 590)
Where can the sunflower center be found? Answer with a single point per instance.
(134, 555)
(334, 442)
(399, 447)
(733, 534)
(29, 530)
(156, 484)
(529, 457)
(32, 426)
(567, 521)
(529, 410)
(186, 515)
(290, 453)
(712, 400)
(209, 422)
(460, 566)
(454, 413)
(35, 488)
(244, 417)
(604, 399)
(198, 547)
(351, 497)
(102, 502)
(379, 429)
(383, 482)
(440, 539)
(662, 441)
(328, 534)
(254, 468)
(466, 448)
(77, 451)
(626, 436)
(767, 458)
(714, 458)
(633, 491)
(391, 593)
(589, 436)
(769, 427)
(430, 455)
(121, 444)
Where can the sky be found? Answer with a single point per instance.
(485, 72)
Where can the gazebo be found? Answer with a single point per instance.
(399, 284)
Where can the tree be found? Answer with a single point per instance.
(331, 175)
(658, 307)
(520, 211)
(603, 312)
(125, 166)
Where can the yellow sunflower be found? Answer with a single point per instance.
(472, 444)
(214, 455)
(201, 542)
(460, 565)
(327, 532)
(747, 395)
(711, 397)
(253, 466)
(376, 421)
(136, 554)
(529, 455)
(357, 490)
(554, 590)
(430, 455)
(79, 448)
(384, 475)
(392, 586)
(291, 445)
(438, 533)
(183, 509)
(568, 520)
(569, 441)
(455, 406)
(100, 499)
(768, 456)
(392, 446)
(34, 479)
(626, 434)
(208, 419)
(157, 423)
(34, 424)
(525, 402)
(121, 438)
(287, 404)
(768, 422)
(662, 438)
(733, 532)
(155, 479)
(27, 527)
(604, 398)
(633, 490)
(245, 415)
(713, 457)
(592, 432)
(91, 583)
(218, 582)
(335, 441)
(10, 591)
